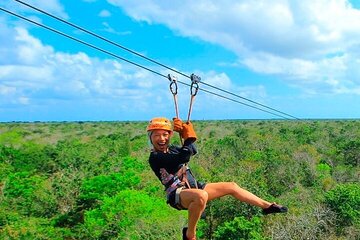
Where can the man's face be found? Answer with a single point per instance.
(160, 140)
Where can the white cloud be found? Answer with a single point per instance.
(218, 79)
(110, 29)
(38, 74)
(6, 90)
(209, 102)
(29, 49)
(104, 13)
(26, 76)
(309, 43)
(338, 74)
(23, 100)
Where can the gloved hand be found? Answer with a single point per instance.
(178, 125)
(188, 132)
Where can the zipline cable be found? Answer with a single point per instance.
(149, 59)
(249, 100)
(245, 104)
(131, 62)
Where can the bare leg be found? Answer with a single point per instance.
(195, 201)
(216, 190)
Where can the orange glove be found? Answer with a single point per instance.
(188, 132)
(178, 125)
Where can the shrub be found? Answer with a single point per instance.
(30, 194)
(99, 187)
(34, 228)
(132, 215)
(240, 228)
(344, 200)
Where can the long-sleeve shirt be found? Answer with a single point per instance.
(166, 165)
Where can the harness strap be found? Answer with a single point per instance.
(182, 174)
(174, 89)
(195, 182)
(185, 179)
(177, 198)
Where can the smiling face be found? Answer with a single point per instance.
(160, 140)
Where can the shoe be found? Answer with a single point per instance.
(275, 208)
(184, 233)
(203, 215)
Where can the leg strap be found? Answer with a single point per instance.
(177, 198)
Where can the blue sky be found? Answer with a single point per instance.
(299, 57)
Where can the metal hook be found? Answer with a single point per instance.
(194, 84)
(173, 84)
(194, 88)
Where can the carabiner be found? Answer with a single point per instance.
(194, 88)
(174, 89)
(173, 85)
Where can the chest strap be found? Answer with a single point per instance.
(182, 174)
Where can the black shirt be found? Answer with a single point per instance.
(172, 160)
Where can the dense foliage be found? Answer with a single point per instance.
(91, 180)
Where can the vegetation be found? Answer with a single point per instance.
(91, 180)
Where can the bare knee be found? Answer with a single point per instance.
(233, 187)
(201, 198)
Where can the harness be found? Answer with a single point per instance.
(176, 183)
(172, 182)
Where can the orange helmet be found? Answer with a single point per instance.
(159, 123)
